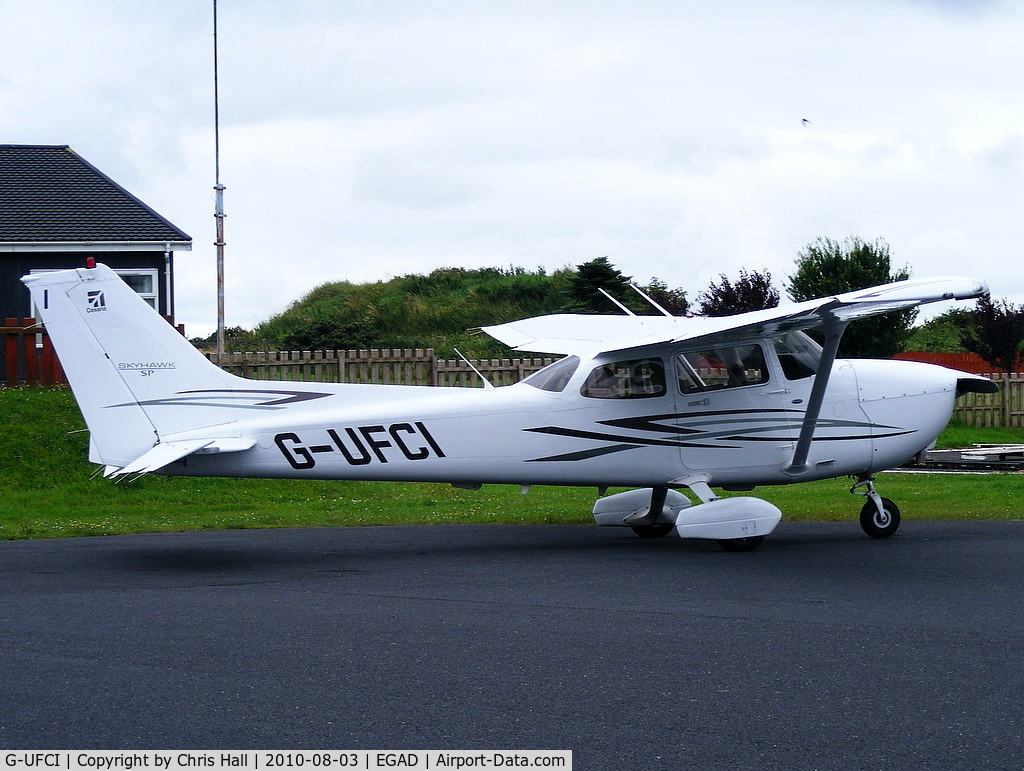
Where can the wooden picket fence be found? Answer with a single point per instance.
(389, 366)
(29, 360)
(1005, 408)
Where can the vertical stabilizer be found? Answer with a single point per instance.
(134, 376)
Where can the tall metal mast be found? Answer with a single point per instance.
(219, 195)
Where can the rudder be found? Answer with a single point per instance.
(136, 379)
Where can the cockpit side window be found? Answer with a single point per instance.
(554, 377)
(632, 379)
(722, 367)
(799, 356)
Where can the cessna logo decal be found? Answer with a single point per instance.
(95, 301)
(362, 445)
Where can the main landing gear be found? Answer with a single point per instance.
(653, 531)
(879, 517)
(738, 524)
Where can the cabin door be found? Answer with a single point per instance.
(734, 412)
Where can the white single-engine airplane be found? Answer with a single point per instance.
(650, 402)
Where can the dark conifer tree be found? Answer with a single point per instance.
(996, 333)
(599, 273)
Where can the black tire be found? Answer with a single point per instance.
(880, 524)
(741, 544)
(653, 531)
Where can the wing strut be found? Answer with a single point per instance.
(833, 330)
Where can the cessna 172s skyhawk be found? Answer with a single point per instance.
(650, 402)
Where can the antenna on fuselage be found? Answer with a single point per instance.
(623, 307)
(487, 383)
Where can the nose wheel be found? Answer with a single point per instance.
(879, 517)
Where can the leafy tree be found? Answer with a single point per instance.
(751, 292)
(826, 267)
(599, 273)
(942, 334)
(997, 332)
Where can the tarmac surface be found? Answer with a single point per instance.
(821, 649)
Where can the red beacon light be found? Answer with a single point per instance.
(90, 262)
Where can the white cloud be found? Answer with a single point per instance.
(366, 140)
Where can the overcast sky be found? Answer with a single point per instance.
(365, 140)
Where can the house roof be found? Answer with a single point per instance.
(49, 194)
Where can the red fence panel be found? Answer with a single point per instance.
(965, 362)
(28, 355)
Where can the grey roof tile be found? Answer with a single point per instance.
(49, 193)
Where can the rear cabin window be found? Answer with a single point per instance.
(725, 367)
(632, 379)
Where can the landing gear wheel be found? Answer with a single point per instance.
(741, 544)
(653, 531)
(880, 524)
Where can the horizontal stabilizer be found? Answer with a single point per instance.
(165, 453)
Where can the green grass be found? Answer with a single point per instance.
(960, 435)
(48, 488)
(919, 496)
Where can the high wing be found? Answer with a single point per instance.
(571, 333)
(831, 315)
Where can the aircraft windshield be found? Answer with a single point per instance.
(554, 377)
(798, 354)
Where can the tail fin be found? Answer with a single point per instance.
(132, 373)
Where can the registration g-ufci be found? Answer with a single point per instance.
(32, 759)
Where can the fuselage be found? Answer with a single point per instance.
(643, 419)
(652, 403)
